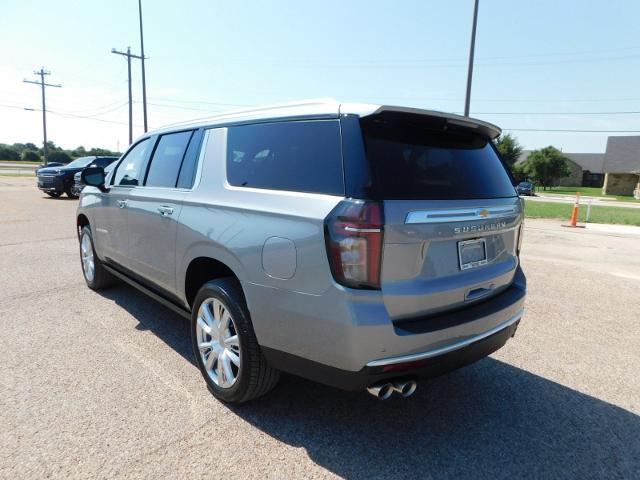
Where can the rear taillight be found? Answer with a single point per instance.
(519, 243)
(353, 233)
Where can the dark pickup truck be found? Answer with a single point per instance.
(55, 181)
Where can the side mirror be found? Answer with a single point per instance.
(95, 177)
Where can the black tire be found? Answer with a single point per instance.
(255, 377)
(54, 194)
(101, 278)
(69, 192)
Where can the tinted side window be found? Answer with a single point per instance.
(296, 156)
(167, 159)
(103, 162)
(190, 162)
(131, 169)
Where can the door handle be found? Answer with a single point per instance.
(122, 203)
(165, 211)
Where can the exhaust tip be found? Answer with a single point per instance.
(406, 388)
(381, 391)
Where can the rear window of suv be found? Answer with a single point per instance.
(302, 156)
(410, 159)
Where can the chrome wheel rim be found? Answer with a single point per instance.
(218, 342)
(86, 255)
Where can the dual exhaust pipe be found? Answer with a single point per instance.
(384, 390)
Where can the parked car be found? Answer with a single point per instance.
(78, 184)
(361, 246)
(56, 180)
(525, 188)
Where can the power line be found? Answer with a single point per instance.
(68, 115)
(454, 63)
(42, 84)
(99, 110)
(386, 62)
(181, 107)
(104, 112)
(558, 113)
(175, 100)
(568, 130)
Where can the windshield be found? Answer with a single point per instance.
(411, 160)
(80, 162)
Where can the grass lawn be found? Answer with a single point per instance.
(586, 191)
(599, 214)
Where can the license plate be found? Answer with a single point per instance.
(472, 253)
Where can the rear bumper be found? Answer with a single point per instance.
(428, 367)
(351, 342)
(412, 359)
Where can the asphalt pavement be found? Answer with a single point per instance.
(103, 385)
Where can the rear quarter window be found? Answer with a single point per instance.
(167, 159)
(302, 156)
(414, 161)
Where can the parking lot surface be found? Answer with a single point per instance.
(105, 385)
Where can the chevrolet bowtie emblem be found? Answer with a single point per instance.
(484, 213)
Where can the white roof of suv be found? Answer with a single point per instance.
(326, 108)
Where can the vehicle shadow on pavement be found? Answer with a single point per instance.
(489, 420)
(167, 325)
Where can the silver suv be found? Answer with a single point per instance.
(361, 246)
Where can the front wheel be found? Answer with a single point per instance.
(94, 273)
(54, 194)
(70, 192)
(225, 345)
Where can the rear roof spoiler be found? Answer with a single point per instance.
(485, 128)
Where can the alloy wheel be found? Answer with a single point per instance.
(86, 255)
(218, 343)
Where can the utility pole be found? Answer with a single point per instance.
(129, 56)
(144, 81)
(472, 48)
(42, 72)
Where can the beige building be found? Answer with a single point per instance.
(622, 166)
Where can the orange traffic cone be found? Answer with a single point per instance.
(574, 215)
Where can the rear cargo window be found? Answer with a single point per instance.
(414, 161)
(300, 156)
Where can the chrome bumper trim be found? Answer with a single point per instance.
(446, 349)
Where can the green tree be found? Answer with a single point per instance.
(8, 153)
(518, 172)
(102, 152)
(546, 165)
(30, 156)
(509, 148)
(59, 156)
(51, 146)
(79, 152)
